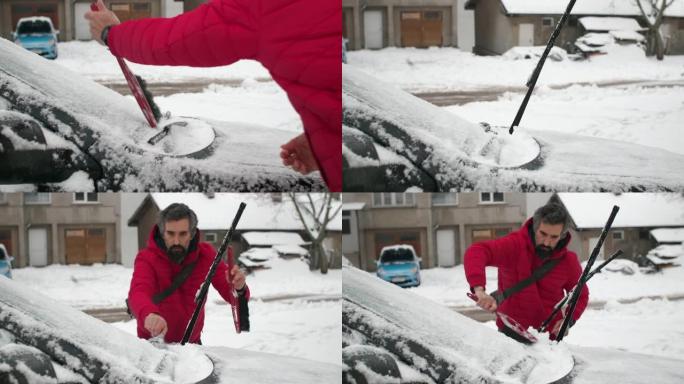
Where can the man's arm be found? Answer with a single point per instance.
(487, 253)
(143, 287)
(214, 34)
(220, 283)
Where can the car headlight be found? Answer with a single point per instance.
(414, 270)
(381, 272)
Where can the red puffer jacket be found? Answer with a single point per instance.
(515, 257)
(154, 271)
(298, 41)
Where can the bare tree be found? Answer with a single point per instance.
(653, 13)
(316, 211)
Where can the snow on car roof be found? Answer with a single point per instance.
(591, 210)
(290, 249)
(272, 238)
(668, 235)
(592, 23)
(398, 246)
(217, 211)
(35, 18)
(593, 7)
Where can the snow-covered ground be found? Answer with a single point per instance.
(297, 327)
(445, 69)
(637, 114)
(94, 61)
(651, 326)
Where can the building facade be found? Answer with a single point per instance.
(39, 229)
(375, 24)
(67, 15)
(440, 226)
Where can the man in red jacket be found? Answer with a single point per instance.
(543, 238)
(172, 246)
(298, 41)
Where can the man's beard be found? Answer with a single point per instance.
(177, 253)
(543, 251)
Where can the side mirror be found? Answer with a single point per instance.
(57, 32)
(14, 35)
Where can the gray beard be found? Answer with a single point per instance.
(177, 253)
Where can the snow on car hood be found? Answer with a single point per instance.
(473, 352)
(111, 128)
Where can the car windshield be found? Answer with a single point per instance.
(34, 26)
(2, 254)
(396, 255)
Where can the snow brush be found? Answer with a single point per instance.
(532, 81)
(201, 295)
(510, 322)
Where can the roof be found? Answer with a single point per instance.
(353, 206)
(593, 7)
(216, 212)
(261, 239)
(668, 235)
(290, 249)
(605, 24)
(591, 210)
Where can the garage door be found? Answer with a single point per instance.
(373, 28)
(81, 24)
(384, 239)
(446, 247)
(128, 11)
(38, 247)
(421, 29)
(49, 9)
(85, 246)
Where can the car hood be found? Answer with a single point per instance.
(446, 346)
(111, 130)
(457, 154)
(98, 351)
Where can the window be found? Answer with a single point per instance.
(491, 197)
(387, 199)
(346, 225)
(618, 235)
(210, 237)
(547, 21)
(82, 197)
(36, 198)
(444, 199)
(410, 15)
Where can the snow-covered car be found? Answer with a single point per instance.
(400, 265)
(38, 35)
(41, 337)
(390, 335)
(394, 141)
(61, 131)
(593, 43)
(5, 262)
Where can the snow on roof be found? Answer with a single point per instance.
(290, 249)
(668, 235)
(593, 7)
(262, 212)
(591, 210)
(667, 251)
(628, 35)
(272, 238)
(353, 206)
(605, 24)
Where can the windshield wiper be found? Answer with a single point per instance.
(532, 81)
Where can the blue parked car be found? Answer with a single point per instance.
(37, 34)
(5, 262)
(399, 264)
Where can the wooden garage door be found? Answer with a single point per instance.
(86, 246)
(128, 11)
(49, 9)
(421, 29)
(6, 240)
(383, 239)
(482, 234)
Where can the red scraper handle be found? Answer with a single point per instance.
(134, 85)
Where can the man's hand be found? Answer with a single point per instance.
(99, 20)
(485, 301)
(235, 277)
(155, 324)
(297, 154)
(557, 327)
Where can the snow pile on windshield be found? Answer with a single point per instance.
(439, 342)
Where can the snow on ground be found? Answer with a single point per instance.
(638, 114)
(300, 328)
(94, 61)
(443, 69)
(252, 103)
